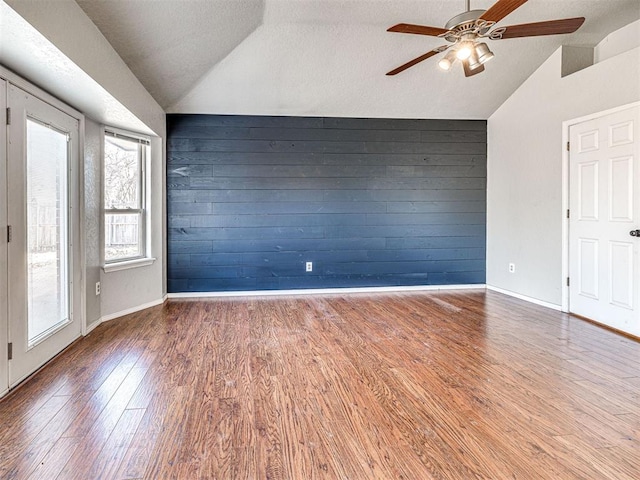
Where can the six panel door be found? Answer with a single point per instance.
(604, 253)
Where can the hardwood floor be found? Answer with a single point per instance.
(398, 386)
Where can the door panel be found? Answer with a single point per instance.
(604, 257)
(621, 268)
(588, 185)
(588, 141)
(621, 134)
(588, 268)
(621, 189)
(47, 230)
(44, 313)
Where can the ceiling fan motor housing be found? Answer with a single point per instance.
(460, 21)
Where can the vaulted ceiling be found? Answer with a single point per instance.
(327, 57)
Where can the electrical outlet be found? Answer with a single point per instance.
(97, 288)
(512, 268)
(308, 267)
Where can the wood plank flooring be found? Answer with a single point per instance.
(446, 385)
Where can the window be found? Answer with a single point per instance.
(125, 205)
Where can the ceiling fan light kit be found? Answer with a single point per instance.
(463, 50)
(448, 60)
(473, 60)
(483, 52)
(466, 32)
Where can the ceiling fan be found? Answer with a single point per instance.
(466, 32)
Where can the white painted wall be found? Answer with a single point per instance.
(85, 60)
(618, 42)
(69, 29)
(171, 45)
(524, 194)
(92, 174)
(329, 58)
(305, 70)
(126, 290)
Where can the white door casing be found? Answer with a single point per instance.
(604, 201)
(4, 325)
(28, 355)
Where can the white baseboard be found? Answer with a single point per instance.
(137, 308)
(121, 313)
(325, 291)
(3, 393)
(92, 326)
(553, 306)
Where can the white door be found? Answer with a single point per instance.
(43, 263)
(604, 241)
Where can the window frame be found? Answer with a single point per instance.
(143, 203)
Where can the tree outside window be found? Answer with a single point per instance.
(124, 197)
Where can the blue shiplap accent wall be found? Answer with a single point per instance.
(371, 202)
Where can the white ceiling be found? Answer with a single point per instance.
(327, 57)
(170, 44)
(28, 53)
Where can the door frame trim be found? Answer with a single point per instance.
(566, 125)
(4, 247)
(12, 78)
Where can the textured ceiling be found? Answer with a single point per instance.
(170, 44)
(327, 57)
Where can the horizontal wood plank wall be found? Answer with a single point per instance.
(371, 202)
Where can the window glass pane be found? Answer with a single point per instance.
(47, 224)
(122, 236)
(121, 174)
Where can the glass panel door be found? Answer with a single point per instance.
(47, 230)
(44, 269)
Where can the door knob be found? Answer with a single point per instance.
(635, 233)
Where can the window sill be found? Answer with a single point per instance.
(138, 262)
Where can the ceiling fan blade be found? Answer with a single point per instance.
(417, 29)
(415, 61)
(552, 27)
(468, 72)
(501, 9)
